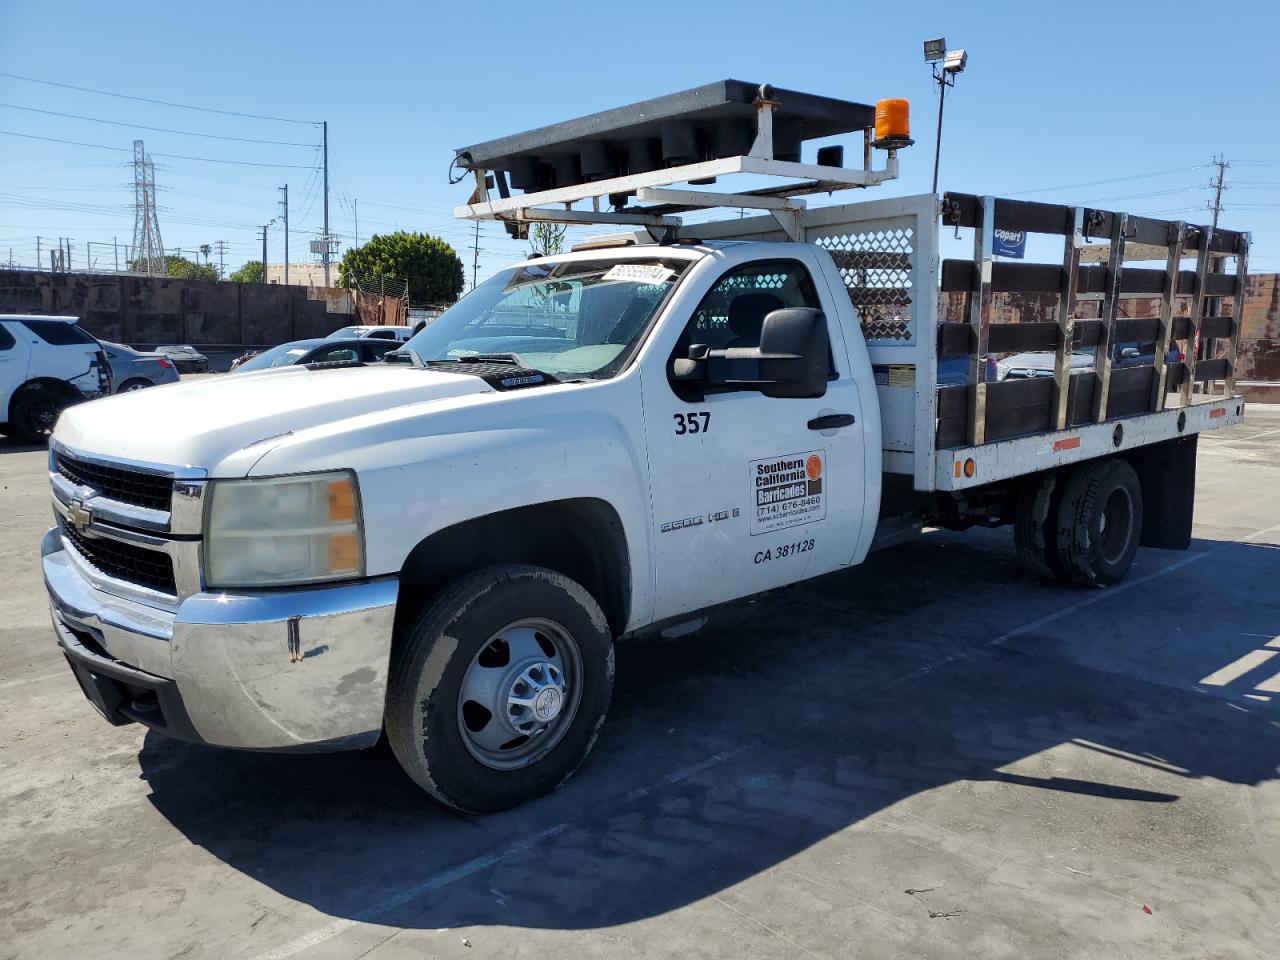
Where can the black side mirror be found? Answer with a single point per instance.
(792, 359)
(793, 353)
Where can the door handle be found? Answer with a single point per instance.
(831, 421)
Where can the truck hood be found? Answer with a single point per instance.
(203, 423)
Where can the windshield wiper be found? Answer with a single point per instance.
(403, 355)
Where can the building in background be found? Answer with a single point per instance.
(302, 274)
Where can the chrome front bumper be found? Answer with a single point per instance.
(272, 670)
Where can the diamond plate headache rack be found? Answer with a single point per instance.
(628, 157)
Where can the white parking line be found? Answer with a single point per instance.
(462, 871)
(1256, 436)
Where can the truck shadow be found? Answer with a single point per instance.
(791, 718)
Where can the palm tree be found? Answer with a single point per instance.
(206, 249)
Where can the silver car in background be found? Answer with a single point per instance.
(134, 370)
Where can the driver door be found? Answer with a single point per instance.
(751, 492)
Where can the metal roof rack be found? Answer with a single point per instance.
(631, 157)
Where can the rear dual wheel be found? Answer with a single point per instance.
(1083, 527)
(499, 690)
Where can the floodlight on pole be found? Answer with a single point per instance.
(953, 63)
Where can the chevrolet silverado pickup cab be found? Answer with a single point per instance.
(443, 549)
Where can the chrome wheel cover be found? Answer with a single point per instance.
(520, 694)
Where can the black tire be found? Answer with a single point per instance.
(1035, 523)
(1099, 522)
(424, 714)
(137, 383)
(35, 411)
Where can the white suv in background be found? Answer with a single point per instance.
(46, 364)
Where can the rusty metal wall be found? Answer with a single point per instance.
(147, 311)
(1260, 329)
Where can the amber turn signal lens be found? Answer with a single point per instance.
(342, 501)
(344, 553)
(893, 120)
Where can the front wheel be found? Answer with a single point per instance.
(131, 386)
(498, 691)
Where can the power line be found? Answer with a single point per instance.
(1139, 196)
(163, 103)
(1094, 183)
(141, 126)
(167, 156)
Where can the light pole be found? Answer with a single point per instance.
(952, 64)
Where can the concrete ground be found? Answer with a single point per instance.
(930, 756)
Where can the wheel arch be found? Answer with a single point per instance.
(42, 383)
(582, 538)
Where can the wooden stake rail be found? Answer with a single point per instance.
(985, 410)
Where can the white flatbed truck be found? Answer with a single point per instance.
(594, 445)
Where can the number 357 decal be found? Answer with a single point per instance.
(697, 422)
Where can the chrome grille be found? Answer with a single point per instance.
(124, 561)
(150, 490)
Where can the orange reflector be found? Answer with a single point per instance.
(344, 553)
(342, 501)
(1219, 412)
(970, 467)
(1068, 444)
(957, 469)
(893, 120)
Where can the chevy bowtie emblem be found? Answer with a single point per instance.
(78, 515)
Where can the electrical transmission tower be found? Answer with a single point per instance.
(221, 247)
(148, 249)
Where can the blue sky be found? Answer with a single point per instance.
(1053, 101)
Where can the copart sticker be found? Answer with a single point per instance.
(788, 491)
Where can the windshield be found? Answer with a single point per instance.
(572, 319)
(281, 356)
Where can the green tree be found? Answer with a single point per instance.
(180, 268)
(547, 239)
(427, 264)
(251, 272)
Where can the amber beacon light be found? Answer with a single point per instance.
(893, 124)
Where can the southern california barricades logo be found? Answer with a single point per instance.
(787, 491)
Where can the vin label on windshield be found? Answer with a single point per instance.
(647, 273)
(787, 491)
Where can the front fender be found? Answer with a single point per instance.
(426, 470)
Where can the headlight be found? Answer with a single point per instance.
(283, 530)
